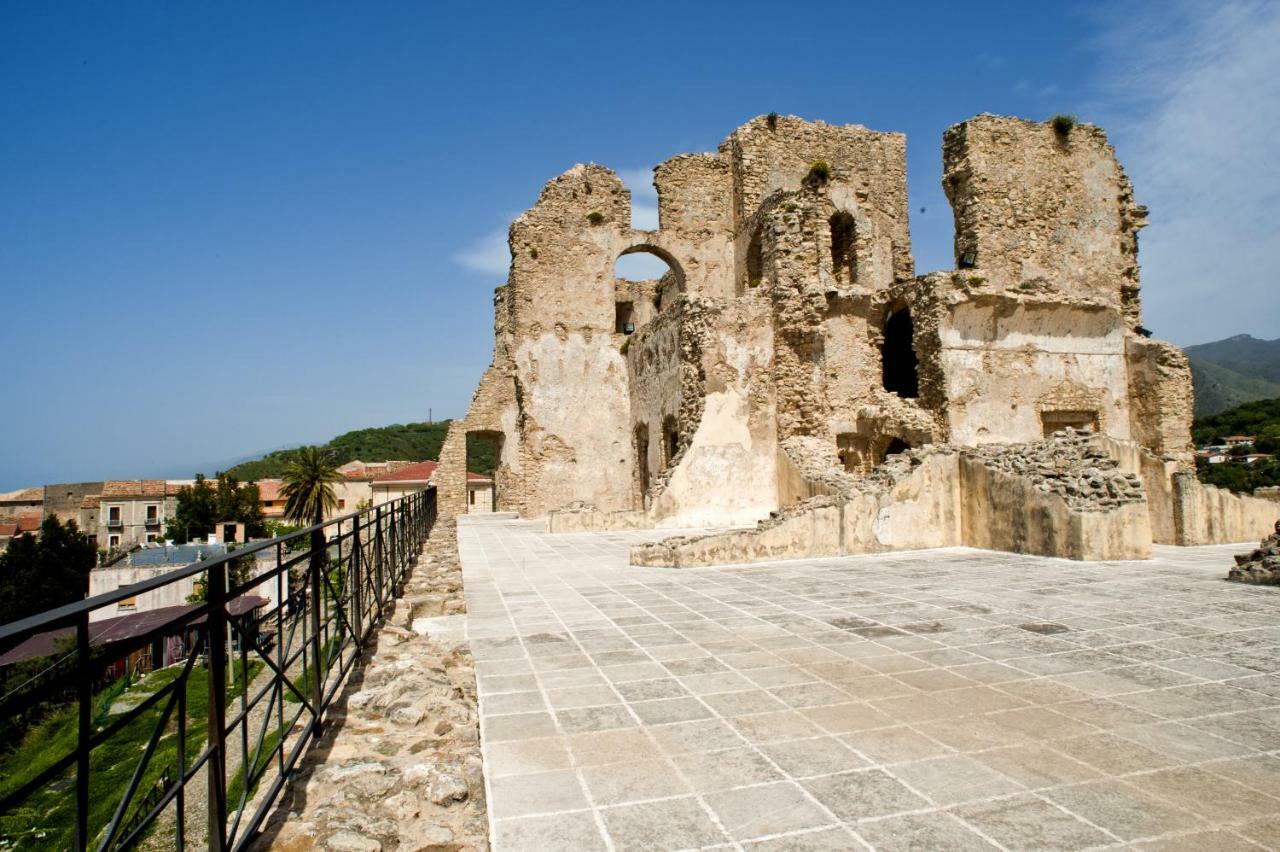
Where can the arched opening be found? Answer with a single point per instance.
(645, 279)
(484, 459)
(670, 440)
(642, 462)
(900, 368)
(844, 249)
(895, 446)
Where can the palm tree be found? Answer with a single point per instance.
(308, 486)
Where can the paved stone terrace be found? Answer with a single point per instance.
(952, 699)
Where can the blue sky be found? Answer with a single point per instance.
(226, 228)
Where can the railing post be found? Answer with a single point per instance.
(377, 558)
(353, 579)
(395, 550)
(84, 694)
(317, 671)
(216, 623)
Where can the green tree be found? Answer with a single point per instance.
(204, 505)
(37, 574)
(308, 486)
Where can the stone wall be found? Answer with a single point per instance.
(1205, 514)
(63, 499)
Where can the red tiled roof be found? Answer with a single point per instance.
(419, 472)
(110, 630)
(91, 501)
(119, 488)
(29, 522)
(478, 477)
(8, 528)
(269, 489)
(367, 471)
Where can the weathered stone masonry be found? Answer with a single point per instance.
(791, 350)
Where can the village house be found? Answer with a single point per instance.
(130, 511)
(21, 502)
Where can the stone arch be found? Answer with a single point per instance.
(900, 366)
(651, 247)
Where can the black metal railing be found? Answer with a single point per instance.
(181, 725)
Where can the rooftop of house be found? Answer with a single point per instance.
(370, 471)
(23, 495)
(269, 489)
(91, 501)
(416, 472)
(119, 489)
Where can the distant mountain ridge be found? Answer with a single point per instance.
(1233, 371)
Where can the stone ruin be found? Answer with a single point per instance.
(791, 374)
(1260, 566)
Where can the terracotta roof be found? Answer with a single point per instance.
(8, 528)
(269, 489)
(29, 522)
(91, 501)
(420, 472)
(478, 477)
(368, 471)
(118, 488)
(23, 495)
(123, 627)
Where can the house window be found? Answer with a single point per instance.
(151, 537)
(153, 514)
(128, 605)
(113, 515)
(342, 504)
(471, 496)
(113, 541)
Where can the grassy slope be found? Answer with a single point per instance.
(1234, 370)
(408, 441)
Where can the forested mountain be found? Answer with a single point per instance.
(1232, 371)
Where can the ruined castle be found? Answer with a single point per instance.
(791, 373)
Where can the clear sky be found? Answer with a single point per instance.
(226, 227)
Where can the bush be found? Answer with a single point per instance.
(819, 173)
(595, 217)
(1063, 123)
(772, 120)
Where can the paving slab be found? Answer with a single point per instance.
(943, 699)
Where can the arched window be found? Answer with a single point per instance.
(844, 249)
(641, 276)
(755, 262)
(898, 356)
(895, 446)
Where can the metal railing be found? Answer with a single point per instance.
(198, 751)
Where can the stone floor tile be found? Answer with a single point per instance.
(513, 702)
(519, 726)
(862, 794)
(650, 690)
(720, 770)
(1036, 766)
(1265, 832)
(744, 703)
(928, 832)
(1199, 841)
(1128, 811)
(632, 781)
(577, 831)
(585, 719)
(816, 756)
(1027, 822)
(810, 695)
(779, 676)
(844, 718)
(770, 727)
(751, 812)
(1258, 772)
(668, 824)
(668, 710)
(894, 745)
(1183, 743)
(955, 778)
(1200, 791)
(594, 749)
(538, 793)
(686, 737)
(569, 697)
(1112, 754)
(522, 757)
(823, 840)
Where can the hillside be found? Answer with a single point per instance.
(1261, 418)
(408, 441)
(1233, 371)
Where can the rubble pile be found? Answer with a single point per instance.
(1068, 464)
(1260, 566)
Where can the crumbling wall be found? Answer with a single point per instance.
(1205, 514)
(1161, 398)
(1019, 365)
(1035, 203)
(868, 175)
(695, 214)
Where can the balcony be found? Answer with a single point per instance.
(115, 522)
(152, 521)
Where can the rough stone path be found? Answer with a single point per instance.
(952, 699)
(400, 765)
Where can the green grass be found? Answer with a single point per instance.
(260, 761)
(46, 819)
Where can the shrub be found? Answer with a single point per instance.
(595, 217)
(772, 120)
(819, 173)
(533, 253)
(1063, 123)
